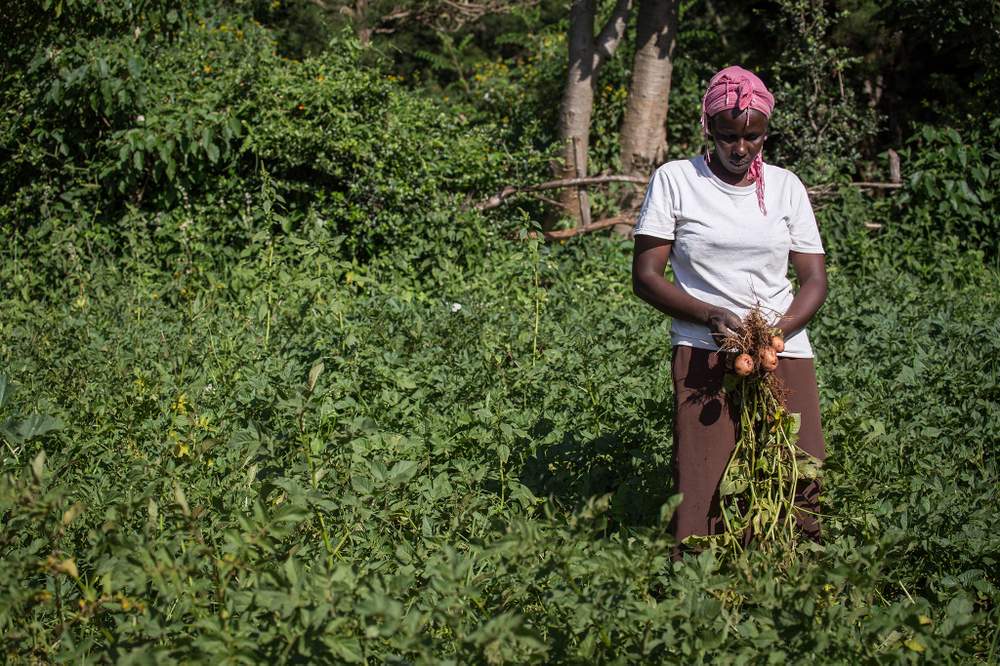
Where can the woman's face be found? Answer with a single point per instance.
(738, 141)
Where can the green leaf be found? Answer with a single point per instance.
(405, 382)
(403, 471)
(809, 468)
(6, 389)
(290, 513)
(796, 423)
(362, 485)
(730, 486)
(181, 499)
(522, 494)
(291, 571)
(20, 431)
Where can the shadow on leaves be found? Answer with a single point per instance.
(632, 464)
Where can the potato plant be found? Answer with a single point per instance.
(297, 458)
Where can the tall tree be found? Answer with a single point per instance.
(643, 134)
(587, 54)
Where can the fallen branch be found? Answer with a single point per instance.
(828, 190)
(627, 217)
(877, 186)
(511, 190)
(497, 199)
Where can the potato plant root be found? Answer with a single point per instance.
(758, 486)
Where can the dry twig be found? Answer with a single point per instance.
(627, 218)
(511, 190)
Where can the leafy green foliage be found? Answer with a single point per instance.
(476, 471)
(205, 121)
(819, 125)
(316, 409)
(924, 62)
(951, 195)
(15, 431)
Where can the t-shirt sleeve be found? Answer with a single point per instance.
(655, 217)
(802, 223)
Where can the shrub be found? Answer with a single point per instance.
(207, 121)
(950, 195)
(819, 124)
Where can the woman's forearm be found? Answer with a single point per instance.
(806, 303)
(670, 299)
(648, 282)
(811, 272)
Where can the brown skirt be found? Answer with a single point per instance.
(705, 435)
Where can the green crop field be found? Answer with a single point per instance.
(280, 460)
(274, 389)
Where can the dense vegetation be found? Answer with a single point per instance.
(283, 394)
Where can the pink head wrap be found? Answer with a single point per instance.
(738, 88)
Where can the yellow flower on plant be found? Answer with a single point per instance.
(179, 405)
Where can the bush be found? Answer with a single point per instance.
(950, 195)
(819, 124)
(207, 122)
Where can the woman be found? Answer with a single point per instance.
(730, 240)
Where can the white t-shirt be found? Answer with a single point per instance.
(725, 251)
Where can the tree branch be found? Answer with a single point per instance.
(446, 15)
(863, 184)
(611, 34)
(511, 190)
(627, 217)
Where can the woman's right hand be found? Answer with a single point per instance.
(722, 323)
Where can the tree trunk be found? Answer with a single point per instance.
(643, 135)
(577, 102)
(361, 18)
(586, 56)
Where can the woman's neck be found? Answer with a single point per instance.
(715, 166)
